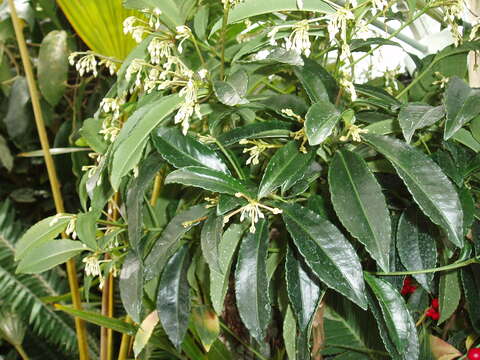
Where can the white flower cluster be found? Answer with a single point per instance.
(353, 131)
(70, 230)
(252, 210)
(453, 13)
(299, 38)
(88, 63)
(138, 28)
(259, 146)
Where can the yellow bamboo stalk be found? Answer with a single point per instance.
(52, 173)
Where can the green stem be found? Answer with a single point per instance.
(21, 351)
(427, 271)
(111, 223)
(248, 347)
(223, 39)
(229, 158)
(202, 59)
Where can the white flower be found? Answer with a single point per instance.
(92, 265)
(86, 64)
(380, 5)
(300, 4)
(183, 33)
(70, 230)
(259, 146)
(299, 39)
(232, 2)
(183, 116)
(128, 24)
(158, 48)
(112, 105)
(252, 210)
(203, 74)
(337, 22)
(354, 132)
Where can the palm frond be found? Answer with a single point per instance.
(100, 25)
(23, 292)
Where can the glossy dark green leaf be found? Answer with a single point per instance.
(267, 129)
(468, 206)
(304, 291)
(97, 318)
(251, 283)
(360, 205)
(320, 121)
(208, 179)
(378, 96)
(462, 105)
(169, 241)
(397, 319)
(129, 145)
(416, 245)
(417, 116)
(43, 231)
(173, 300)
(287, 162)
(48, 255)
(90, 131)
(463, 136)
(326, 251)
(131, 286)
(449, 294)
(219, 280)
(348, 328)
(53, 66)
(135, 198)
(210, 238)
(429, 186)
(232, 92)
(279, 55)
(317, 82)
(278, 103)
(184, 150)
(471, 283)
(86, 228)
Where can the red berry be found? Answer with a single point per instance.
(432, 313)
(408, 288)
(474, 354)
(435, 303)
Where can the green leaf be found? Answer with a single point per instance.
(287, 162)
(471, 283)
(416, 245)
(232, 92)
(465, 137)
(90, 131)
(219, 280)
(173, 300)
(53, 66)
(86, 228)
(100, 320)
(145, 332)
(207, 325)
(6, 158)
(129, 145)
(251, 283)
(169, 241)
(317, 82)
(468, 206)
(320, 121)
(278, 55)
(348, 328)
(200, 22)
(208, 179)
(18, 117)
(49, 254)
(304, 291)
(249, 8)
(449, 294)
(267, 129)
(396, 317)
(417, 116)
(326, 251)
(462, 105)
(360, 205)
(43, 231)
(131, 286)
(290, 334)
(135, 198)
(429, 186)
(210, 238)
(183, 150)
